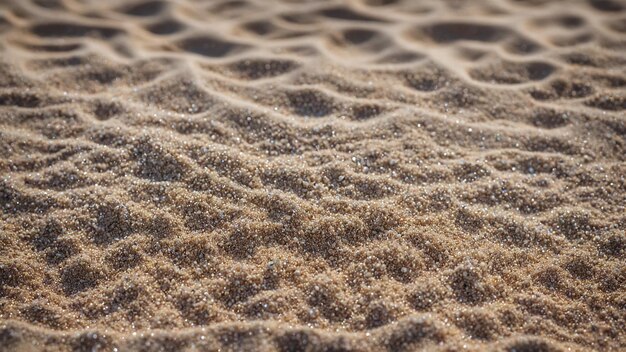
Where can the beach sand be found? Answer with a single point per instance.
(361, 175)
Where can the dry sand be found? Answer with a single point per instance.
(312, 176)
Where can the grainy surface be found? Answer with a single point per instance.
(320, 176)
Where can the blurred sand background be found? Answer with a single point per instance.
(291, 175)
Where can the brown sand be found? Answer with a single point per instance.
(319, 176)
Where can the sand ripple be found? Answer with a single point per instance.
(312, 176)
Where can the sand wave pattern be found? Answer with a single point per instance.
(294, 175)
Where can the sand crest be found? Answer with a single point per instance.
(358, 175)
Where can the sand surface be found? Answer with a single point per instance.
(361, 175)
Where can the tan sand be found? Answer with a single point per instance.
(312, 176)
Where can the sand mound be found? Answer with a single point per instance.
(312, 176)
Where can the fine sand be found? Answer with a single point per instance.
(364, 175)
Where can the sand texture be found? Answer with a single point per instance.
(283, 175)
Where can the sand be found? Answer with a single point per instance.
(312, 176)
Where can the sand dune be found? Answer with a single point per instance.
(359, 175)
